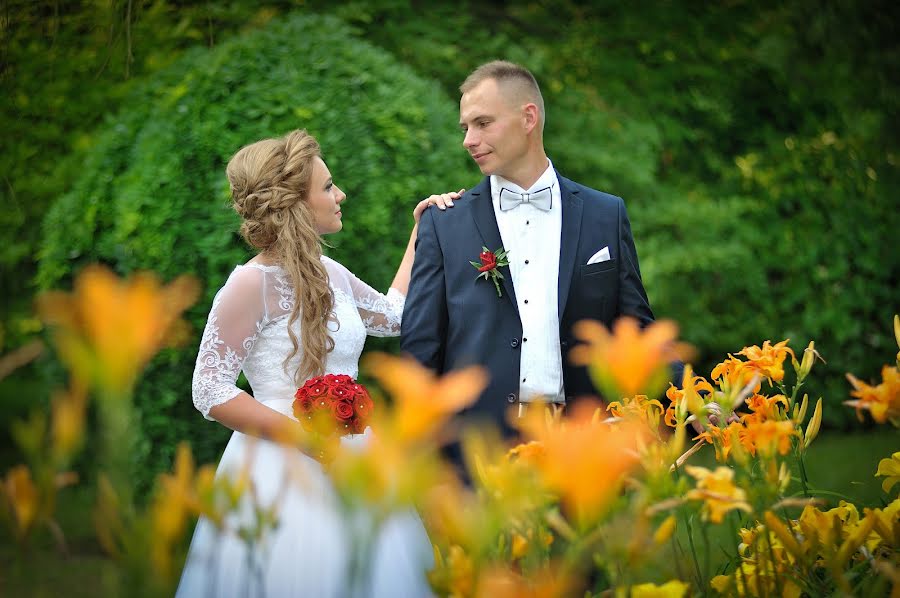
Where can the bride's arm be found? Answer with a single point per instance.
(238, 314)
(245, 414)
(442, 201)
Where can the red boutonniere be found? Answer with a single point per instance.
(490, 261)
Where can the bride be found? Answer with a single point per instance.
(285, 316)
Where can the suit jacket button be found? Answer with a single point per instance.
(514, 343)
(511, 397)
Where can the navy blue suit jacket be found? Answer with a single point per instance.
(452, 320)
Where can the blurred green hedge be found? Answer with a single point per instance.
(153, 195)
(755, 145)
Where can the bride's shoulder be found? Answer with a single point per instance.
(251, 276)
(336, 270)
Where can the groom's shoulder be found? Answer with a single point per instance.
(588, 194)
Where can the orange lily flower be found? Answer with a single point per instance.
(501, 582)
(882, 401)
(688, 397)
(586, 459)
(767, 360)
(638, 407)
(422, 400)
(629, 361)
(767, 407)
(767, 437)
(107, 328)
(733, 376)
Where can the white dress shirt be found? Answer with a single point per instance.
(531, 236)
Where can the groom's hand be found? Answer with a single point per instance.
(442, 201)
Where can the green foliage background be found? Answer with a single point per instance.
(151, 194)
(755, 145)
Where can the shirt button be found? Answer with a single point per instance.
(511, 397)
(526, 301)
(524, 340)
(526, 262)
(527, 222)
(514, 343)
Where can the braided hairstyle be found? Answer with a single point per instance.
(270, 184)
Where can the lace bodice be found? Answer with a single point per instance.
(247, 330)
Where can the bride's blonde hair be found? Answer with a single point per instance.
(270, 185)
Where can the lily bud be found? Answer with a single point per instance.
(897, 334)
(740, 454)
(812, 430)
(809, 357)
(665, 530)
(803, 405)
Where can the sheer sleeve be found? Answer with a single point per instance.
(238, 314)
(381, 314)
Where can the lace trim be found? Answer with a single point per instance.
(217, 368)
(381, 314)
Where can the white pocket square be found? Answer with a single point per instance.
(600, 256)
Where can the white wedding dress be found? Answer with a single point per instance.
(308, 552)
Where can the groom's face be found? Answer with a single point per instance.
(494, 133)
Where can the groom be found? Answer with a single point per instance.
(570, 252)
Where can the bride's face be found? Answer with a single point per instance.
(325, 199)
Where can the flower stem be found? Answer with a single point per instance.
(690, 534)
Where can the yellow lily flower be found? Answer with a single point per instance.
(22, 496)
(107, 328)
(454, 576)
(891, 469)
(717, 491)
(671, 589)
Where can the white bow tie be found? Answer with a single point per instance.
(541, 199)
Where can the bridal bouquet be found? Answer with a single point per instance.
(333, 404)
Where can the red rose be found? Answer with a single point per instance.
(363, 406)
(488, 261)
(333, 403)
(343, 410)
(358, 426)
(336, 380)
(316, 388)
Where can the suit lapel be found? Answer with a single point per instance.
(486, 222)
(568, 243)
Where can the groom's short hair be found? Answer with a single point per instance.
(512, 77)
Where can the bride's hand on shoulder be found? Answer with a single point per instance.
(442, 201)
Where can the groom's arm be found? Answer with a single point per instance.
(424, 327)
(632, 296)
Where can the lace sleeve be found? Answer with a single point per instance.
(238, 314)
(380, 313)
